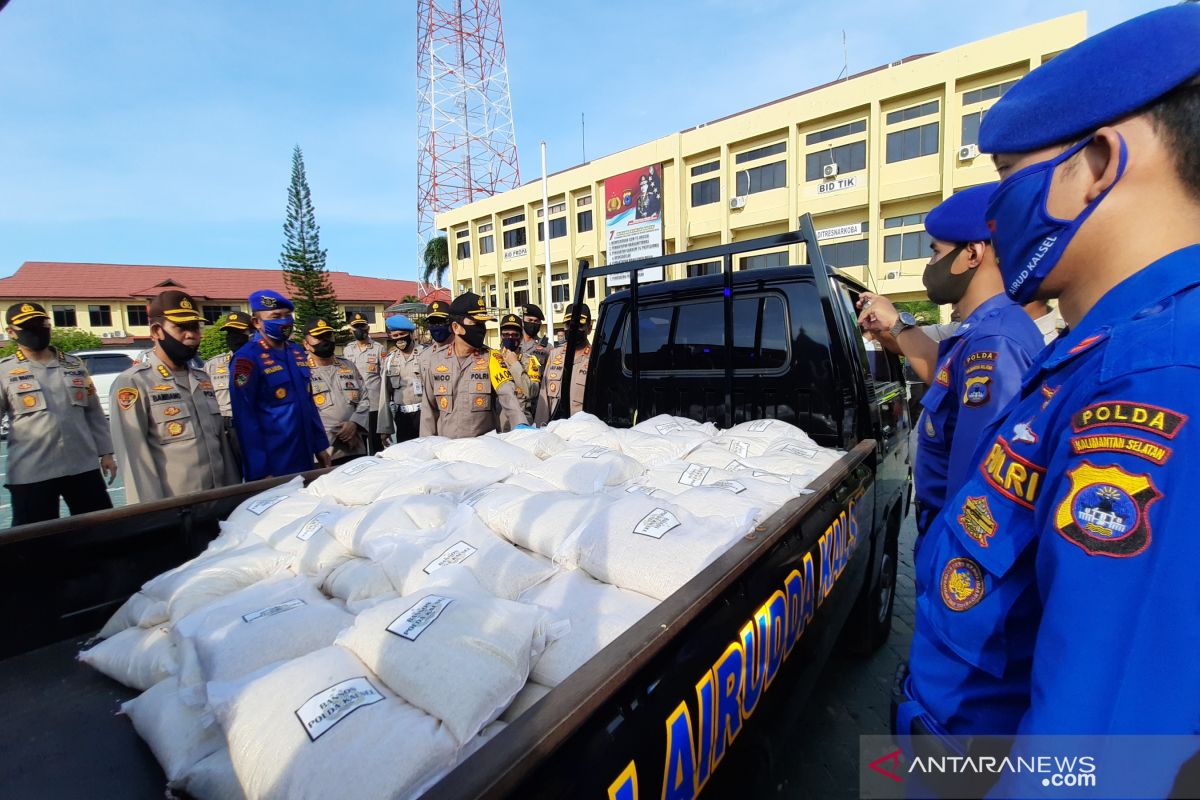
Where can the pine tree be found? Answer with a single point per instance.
(302, 259)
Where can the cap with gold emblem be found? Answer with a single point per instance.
(317, 328)
(469, 304)
(236, 321)
(439, 311)
(359, 320)
(23, 313)
(511, 321)
(174, 306)
(580, 314)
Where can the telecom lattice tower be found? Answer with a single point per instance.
(466, 142)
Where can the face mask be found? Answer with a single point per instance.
(278, 329)
(402, 342)
(235, 340)
(360, 333)
(474, 335)
(323, 349)
(578, 338)
(439, 333)
(532, 328)
(1028, 241)
(35, 339)
(943, 286)
(511, 342)
(176, 351)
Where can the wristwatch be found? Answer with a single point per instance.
(905, 322)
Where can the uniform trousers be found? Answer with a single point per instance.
(38, 501)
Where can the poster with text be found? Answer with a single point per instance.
(633, 215)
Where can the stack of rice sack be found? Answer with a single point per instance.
(417, 601)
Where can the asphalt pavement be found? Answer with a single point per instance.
(116, 491)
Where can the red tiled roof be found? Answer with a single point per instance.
(55, 279)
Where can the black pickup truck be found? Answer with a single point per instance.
(701, 694)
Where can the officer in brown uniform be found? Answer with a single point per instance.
(532, 342)
(57, 431)
(526, 368)
(552, 380)
(468, 390)
(367, 356)
(165, 419)
(339, 393)
(237, 327)
(400, 400)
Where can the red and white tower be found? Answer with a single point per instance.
(466, 143)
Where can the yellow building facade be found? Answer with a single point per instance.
(867, 156)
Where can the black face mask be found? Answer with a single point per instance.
(176, 351)
(943, 286)
(360, 333)
(36, 339)
(439, 333)
(323, 349)
(235, 340)
(578, 338)
(532, 328)
(474, 335)
(511, 342)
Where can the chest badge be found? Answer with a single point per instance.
(977, 521)
(443, 403)
(442, 368)
(1023, 432)
(1105, 511)
(79, 396)
(126, 397)
(930, 431)
(319, 399)
(23, 386)
(172, 411)
(28, 401)
(281, 392)
(163, 387)
(174, 428)
(962, 584)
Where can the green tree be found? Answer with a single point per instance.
(302, 259)
(212, 341)
(436, 259)
(67, 340)
(409, 298)
(926, 311)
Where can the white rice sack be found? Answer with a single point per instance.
(537, 441)
(269, 511)
(323, 726)
(715, 455)
(665, 424)
(651, 545)
(768, 492)
(583, 428)
(392, 516)
(414, 449)
(548, 523)
(357, 579)
(726, 504)
(502, 569)
(488, 451)
(139, 611)
(598, 614)
(453, 478)
(804, 456)
(175, 732)
(529, 483)
(212, 778)
(451, 649)
(587, 470)
(470, 748)
(530, 693)
(310, 541)
(359, 482)
(204, 579)
(750, 439)
(135, 657)
(651, 450)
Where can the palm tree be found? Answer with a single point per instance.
(437, 260)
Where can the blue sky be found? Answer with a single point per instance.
(151, 132)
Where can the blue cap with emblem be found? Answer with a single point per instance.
(267, 300)
(962, 217)
(1096, 82)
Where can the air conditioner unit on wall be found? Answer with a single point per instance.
(968, 152)
(830, 170)
(558, 307)
(737, 202)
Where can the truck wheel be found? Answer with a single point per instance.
(871, 621)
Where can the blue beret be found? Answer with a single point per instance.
(399, 322)
(1096, 82)
(266, 300)
(962, 217)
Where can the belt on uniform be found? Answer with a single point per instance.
(409, 409)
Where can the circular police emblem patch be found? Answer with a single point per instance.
(443, 402)
(29, 402)
(174, 428)
(281, 392)
(962, 584)
(930, 431)
(319, 399)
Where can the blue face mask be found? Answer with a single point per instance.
(439, 333)
(1029, 241)
(278, 329)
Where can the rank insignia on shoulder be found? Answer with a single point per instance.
(1142, 416)
(962, 584)
(281, 392)
(977, 521)
(978, 390)
(126, 397)
(162, 370)
(1105, 511)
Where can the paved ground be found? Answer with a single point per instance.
(116, 491)
(852, 699)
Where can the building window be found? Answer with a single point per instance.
(970, 127)
(905, 221)
(560, 292)
(583, 221)
(846, 254)
(513, 220)
(913, 112)
(858, 126)
(706, 268)
(557, 208)
(701, 169)
(520, 292)
(586, 200)
(558, 228)
(100, 316)
(848, 157)
(987, 93)
(64, 316)
(135, 316)
(906, 246)
(514, 238)
(912, 143)
(705, 192)
(760, 179)
(463, 250)
(213, 314)
(778, 259)
(487, 244)
(464, 233)
(485, 227)
(761, 152)
(368, 312)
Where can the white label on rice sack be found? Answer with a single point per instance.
(359, 467)
(312, 526)
(640, 489)
(667, 427)
(263, 503)
(736, 466)
(270, 611)
(329, 707)
(456, 553)
(739, 447)
(759, 425)
(657, 523)
(473, 499)
(797, 450)
(412, 623)
(594, 452)
(737, 487)
(694, 475)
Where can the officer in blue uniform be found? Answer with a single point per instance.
(277, 424)
(979, 366)
(1057, 591)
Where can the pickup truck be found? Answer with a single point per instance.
(701, 694)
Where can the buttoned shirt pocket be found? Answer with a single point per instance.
(320, 392)
(277, 386)
(173, 422)
(28, 397)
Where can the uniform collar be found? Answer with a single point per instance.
(993, 305)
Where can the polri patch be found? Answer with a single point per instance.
(962, 584)
(1142, 416)
(977, 521)
(1018, 479)
(1105, 513)
(126, 397)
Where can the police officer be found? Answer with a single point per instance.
(468, 390)
(277, 424)
(165, 419)
(1057, 590)
(57, 429)
(237, 327)
(438, 321)
(552, 381)
(400, 401)
(532, 343)
(979, 367)
(339, 393)
(525, 367)
(367, 356)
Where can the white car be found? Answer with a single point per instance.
(104, 365)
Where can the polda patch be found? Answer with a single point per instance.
(1141, 416)
(1105, 513)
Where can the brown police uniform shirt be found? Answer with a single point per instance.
(401, 386)
(467, 396)
(367, 358)
(552, 381)
(57, 425)
(217, 368)
(339, 393)
(168, 431)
